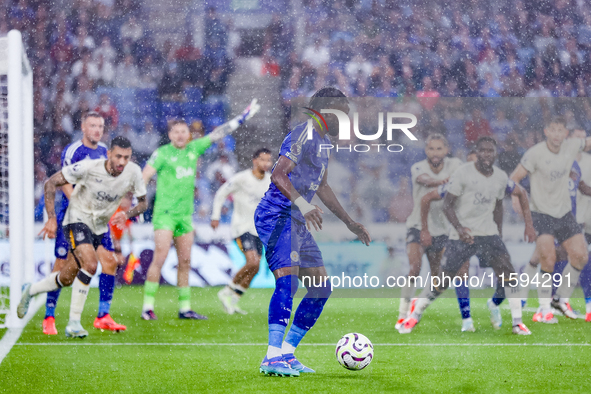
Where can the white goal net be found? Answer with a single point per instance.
(16, 175)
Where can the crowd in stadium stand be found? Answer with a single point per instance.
(423, 54)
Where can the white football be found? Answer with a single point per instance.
(354, 351)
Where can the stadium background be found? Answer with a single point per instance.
(141, 63)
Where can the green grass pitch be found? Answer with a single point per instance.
(223, 353)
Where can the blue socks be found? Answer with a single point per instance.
(499, 295)
(463, 294)
(280, 312)
(307, 314)
(51, 303)
(106, 288)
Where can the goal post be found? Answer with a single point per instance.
(17, 172)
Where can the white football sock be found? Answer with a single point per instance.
(515, 305)
(588, 307)
(273, 351)
(570, 278)
(286, 348)
(530, 271)
(79, 294)
(45, 285)
(544, 292)
(406, 294)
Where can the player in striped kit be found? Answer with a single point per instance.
(246, 188)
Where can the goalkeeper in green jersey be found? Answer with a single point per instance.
(176, 164)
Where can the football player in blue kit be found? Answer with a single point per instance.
(283, 219)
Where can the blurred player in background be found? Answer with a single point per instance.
(426, 176)
(100, 186)
(283, 219)
(474, 207)
(549, 165)
(462, 291)
(89, 147)
(579, 192)
(176, 164)
(246, 188)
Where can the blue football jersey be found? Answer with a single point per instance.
(74, 153)
(573, 185)
(311, 163)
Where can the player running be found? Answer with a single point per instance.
(474, 207)
(462, 291)
(89, 147)
(578, 191)
(548, 165)
(426, 176)
(283, 219)
(247, 188)
(175, 164)
(100, 186)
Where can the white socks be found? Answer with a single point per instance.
(273, 352)
(45, 285)
(79, 294)
(286, 348)
(515, 305)
(570, 278)
(406, 293)
(530, 271)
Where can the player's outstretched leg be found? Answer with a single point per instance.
(279, 314)
(305, 317)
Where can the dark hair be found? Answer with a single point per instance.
(558, 120)
(174, 122)
(486, 139)
(91, 114)
(259, 152)
(121, 142)
(323, 96)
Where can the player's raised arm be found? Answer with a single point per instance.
(218, 201)
(329, 199)
(433, 195)
(227, 128)
(50, 188)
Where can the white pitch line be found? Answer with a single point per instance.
(13, 334)
(303, 344)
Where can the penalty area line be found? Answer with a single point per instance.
(303, 344)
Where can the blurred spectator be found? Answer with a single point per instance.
(510, 157)
(316, 55)
(132, 30)
(148, 141)
(219, 171)
(106, 51)
(86, 66)
(215, 30)
(476, 127)
(108, 111)
(128, 132)
(127, 75)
